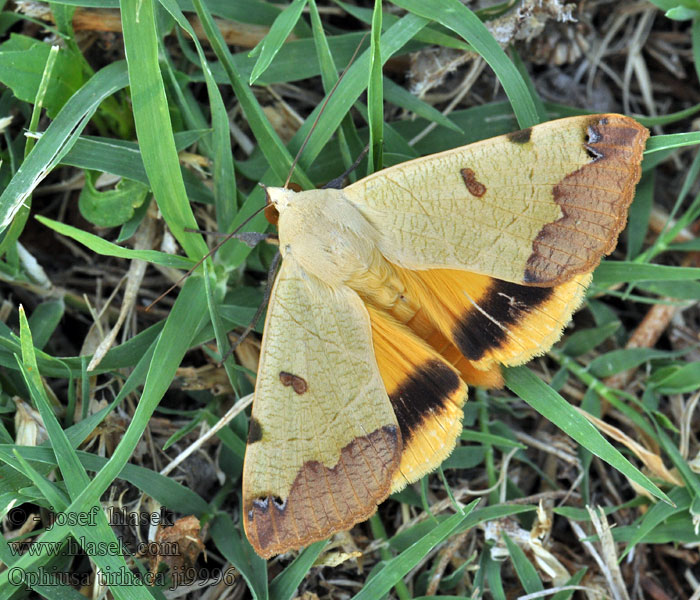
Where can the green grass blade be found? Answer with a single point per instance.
(273, 41)
(59, 138)
(527, 574)
(553, 407)
(695, 39)
(101, 246)
(574, 581)
(220, 332)
(457, 17)
(660, 143)
(185, 319)
(469, 435)
(656, 515)
(639, 214)
(617, 361)
(73, 474)
(522, 69)
(44, 320)
(375, 93)
(20, 218)
(153, 126)
(612, 272)
(351, 87)
(430, 35)
(222, 158)
(400, 96)
(286, 583)
(692, 481)
(277, 155)
(670, 117)
(164, 489)
(583, 341)
(492, 570)
(240, 553)
(677, 379)
(124, 159)
(49, 489)
(329, 76)
(395, 569)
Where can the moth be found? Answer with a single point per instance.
(400, 290)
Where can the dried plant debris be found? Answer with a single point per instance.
(207, 377)
(29, 425)
(560, 43)
(178, 547)
(535, 543)
(524, 22)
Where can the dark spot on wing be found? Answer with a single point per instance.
(255, 431)
(298, 384)
(271, 214)
(506, 304)
(425, 392)
(593, 134)
(594, 154)
(476, 188)
(520, 137)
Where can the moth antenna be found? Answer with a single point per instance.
(254, 321)
(205, 232)
(228, 236)
(249, 238)
(337, 182)
(323, 108)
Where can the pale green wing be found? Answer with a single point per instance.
(324, 443)
(537, 206)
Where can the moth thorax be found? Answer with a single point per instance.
(381, 286)
(326, 235)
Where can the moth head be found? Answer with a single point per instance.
(280, 198)
(271, 208)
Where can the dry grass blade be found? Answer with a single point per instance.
(143, 240)
(234, 411)
(651, 461)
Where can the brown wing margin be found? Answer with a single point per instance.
(597, 194)
(325, 500)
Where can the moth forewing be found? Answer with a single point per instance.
(536, 206)
(324, 442)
